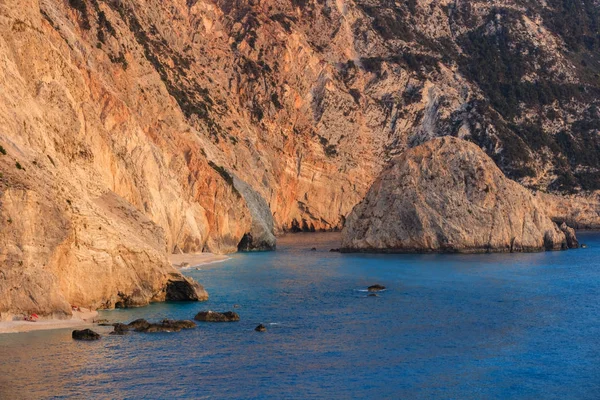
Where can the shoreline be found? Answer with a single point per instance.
(85, 318)
(80, 319)
(193, 260)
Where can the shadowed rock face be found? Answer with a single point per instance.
(447, 195)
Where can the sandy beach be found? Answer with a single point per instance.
(195, 260)
(81, 319)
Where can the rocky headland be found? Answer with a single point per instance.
(447, 195)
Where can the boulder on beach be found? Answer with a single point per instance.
(85, 334)
(376, 288)
(212, 316)
(261, 328)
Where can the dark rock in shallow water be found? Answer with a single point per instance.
(372, 295)
(138, 324)
(261, 328)
(335, 251)
(141, 325)
(211, 316)
(182, 324)
(376, 288)
(120, 329)
(167, 325)
(313, 249)
(86, 334)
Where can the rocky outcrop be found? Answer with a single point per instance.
(181, 288)
(212, 316)
(447, 195)
(570, 236)
(141, 325)
(86, 334)
(261, 236)
(166, 325)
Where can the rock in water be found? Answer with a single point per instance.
(138, 324)
(181, 288)
(211, 316)
(376, 288)
(167, 325)
(120, 329)
(447, 195)
(572, 241)
(261, 328)
(86, 334)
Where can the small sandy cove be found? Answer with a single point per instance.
(195, 260)
(85, 318)
(81, 319)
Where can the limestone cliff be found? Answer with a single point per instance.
(219, 124)
(447, 195)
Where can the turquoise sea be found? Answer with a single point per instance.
(490, 326)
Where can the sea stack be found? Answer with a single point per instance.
(447, 195)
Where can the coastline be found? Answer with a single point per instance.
(193, 260)
(80, 319)
(85, 318)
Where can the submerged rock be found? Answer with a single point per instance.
(447, 195)
(376, 288)
(261, 328)
(211, 316)
(372, 295)
(166, 325)
(85, 334)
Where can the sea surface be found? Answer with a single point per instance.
(491, 326)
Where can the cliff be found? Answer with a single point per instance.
(219, 124)
(447, 195)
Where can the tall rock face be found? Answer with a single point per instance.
(218, 124)
(447, 195)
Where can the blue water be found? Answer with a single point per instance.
(450, 326)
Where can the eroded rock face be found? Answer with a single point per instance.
(447, 195)
(181, 288)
